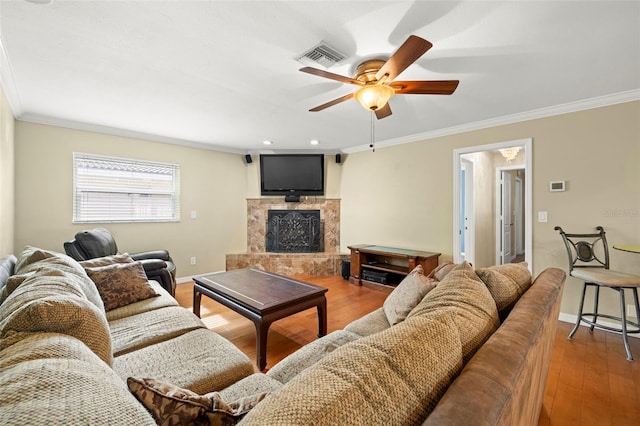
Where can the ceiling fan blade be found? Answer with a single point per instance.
(408, 53)
(424, 87)
(331, 76)
(383, 112)
(332, 103)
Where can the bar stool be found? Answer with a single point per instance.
(589, 261)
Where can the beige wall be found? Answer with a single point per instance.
(402, 195)
(212, 183)
(398, 196)
(7, 124)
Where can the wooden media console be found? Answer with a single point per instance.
(383, 268)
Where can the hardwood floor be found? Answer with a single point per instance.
(345, 302)
(590, 382)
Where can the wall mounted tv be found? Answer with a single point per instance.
(292, 175)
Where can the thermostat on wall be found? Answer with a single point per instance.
(556, 185)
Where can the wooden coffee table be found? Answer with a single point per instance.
(263, 298)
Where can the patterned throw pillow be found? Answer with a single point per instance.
(506, 283)
(407, 295)
(121, 284)
(171, 405)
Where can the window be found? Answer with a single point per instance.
(110, 189)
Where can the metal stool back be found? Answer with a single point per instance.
(589, 261)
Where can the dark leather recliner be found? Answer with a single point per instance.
(99, 242)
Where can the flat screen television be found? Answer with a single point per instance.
(292, 174)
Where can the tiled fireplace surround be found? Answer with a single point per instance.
(325, 263)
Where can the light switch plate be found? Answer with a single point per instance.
(542, 216)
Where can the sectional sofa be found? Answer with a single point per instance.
(459, 346)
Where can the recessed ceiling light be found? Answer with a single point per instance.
(314, 142)
(267, 142)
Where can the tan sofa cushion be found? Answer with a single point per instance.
(131, 333)
(368, 324)
(392, 377)
(250, 385)
(309, 354)
(199, 360)
(506, 283)
(31, 255)
(33, 259)
(54, 379)
(463, 293)
(49, 302)
(121, 284)
(407, 294)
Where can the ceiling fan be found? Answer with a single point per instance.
(376, 79)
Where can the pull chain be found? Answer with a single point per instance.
(373, 133)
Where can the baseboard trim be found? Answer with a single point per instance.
(189, 279)
(573, 318)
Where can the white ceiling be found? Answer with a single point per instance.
(224, 75)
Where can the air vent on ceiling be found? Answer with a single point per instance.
(322, 54)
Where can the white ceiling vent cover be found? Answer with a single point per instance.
(323, 55)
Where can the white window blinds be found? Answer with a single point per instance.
(110, 189)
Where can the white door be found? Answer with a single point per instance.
(518, 216)
(505, 217)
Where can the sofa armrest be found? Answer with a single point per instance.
(504, 382)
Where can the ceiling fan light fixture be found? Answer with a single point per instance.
(374, 96)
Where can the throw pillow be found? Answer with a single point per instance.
(171, 405)
(441, 271)
(506, 283)
(106, 260)
(121, 284)
(407, 295)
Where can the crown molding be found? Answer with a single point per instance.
(597, 102)
(113, 131)
(8, 83)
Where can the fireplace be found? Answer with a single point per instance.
(327, 261)
(294, 231)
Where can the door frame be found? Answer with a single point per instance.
(528, 193)
(469, 230)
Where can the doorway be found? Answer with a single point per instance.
(480, 226)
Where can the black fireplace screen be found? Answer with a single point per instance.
(294, 231)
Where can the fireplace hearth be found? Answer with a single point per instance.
(294, 231)
(326, 262)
